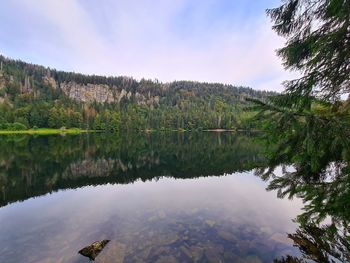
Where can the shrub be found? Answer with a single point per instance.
(16, 126)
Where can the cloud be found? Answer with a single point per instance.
(78, 36)
(168, 40)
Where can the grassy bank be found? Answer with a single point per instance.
(48, 131)
(44, 131)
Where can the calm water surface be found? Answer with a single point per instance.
(172, 197)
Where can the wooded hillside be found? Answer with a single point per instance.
(36, 96)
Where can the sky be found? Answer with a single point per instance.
(226, 41)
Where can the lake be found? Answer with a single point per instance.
(158, 197)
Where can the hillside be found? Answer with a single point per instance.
(36, 96)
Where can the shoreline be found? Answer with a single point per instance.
(44, 131)
(48, 131)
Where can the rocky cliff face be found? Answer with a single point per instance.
(100, 93)
(88, 92)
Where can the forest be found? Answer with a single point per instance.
(33, 96)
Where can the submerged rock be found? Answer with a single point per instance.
(94, 249)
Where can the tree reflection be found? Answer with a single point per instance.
(323, 232)
(324, 244)
(32, 166)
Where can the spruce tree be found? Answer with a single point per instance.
(309, 123)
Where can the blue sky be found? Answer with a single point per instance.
(228, 41)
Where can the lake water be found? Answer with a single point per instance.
(159, 197)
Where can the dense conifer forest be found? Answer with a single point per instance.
(33, 96)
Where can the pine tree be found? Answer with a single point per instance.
(310, 123)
